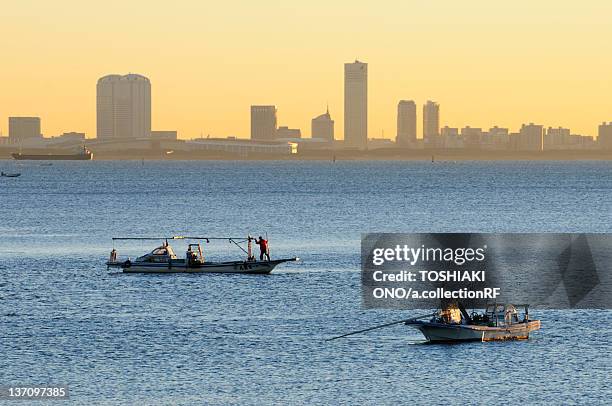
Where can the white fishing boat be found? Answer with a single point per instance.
(499, 322)
(163, 259)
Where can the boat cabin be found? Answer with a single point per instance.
(164, 253)
(494, 315)
(502, 314)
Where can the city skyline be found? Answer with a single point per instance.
(123, 109)
(483, 64)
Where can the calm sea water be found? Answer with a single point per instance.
(191, 339)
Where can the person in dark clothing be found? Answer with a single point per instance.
(263, 248)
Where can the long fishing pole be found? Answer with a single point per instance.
(179, 237)
(380, 326)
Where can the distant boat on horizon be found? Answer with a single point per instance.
(84, 155)
(10, 175)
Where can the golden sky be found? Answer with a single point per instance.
(485, 62)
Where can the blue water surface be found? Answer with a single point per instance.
(239, 339)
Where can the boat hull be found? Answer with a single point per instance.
(439, 332)
(53, 157)
(244, 267)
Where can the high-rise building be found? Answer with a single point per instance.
(263, 122)
(529, 137)
(123, 107)
(23, 128)
(431, 122)
(472, 137)
(449, 137)
(556, 138)
(604, 136)
(406, 123)
(497, 138)
(322, 127)
(356, 104)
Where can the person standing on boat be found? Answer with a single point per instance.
(263, 248)
(190, 256)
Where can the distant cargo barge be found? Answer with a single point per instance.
(85, 155)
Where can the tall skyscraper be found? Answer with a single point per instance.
(406, 122)
(322, 127)
(263, 122)
(23, 128)
(356, 104)
(431, 122)
(123, 107)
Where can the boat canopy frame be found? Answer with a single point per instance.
(496, 314)
(234, 240)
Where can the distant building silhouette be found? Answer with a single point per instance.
(556, 138)
(529, 138)
(450, 138)
(447, 131)
(431, 123)
(263, 122)
(356, 104)
(323, 127)
(237, 147)
(73, 135)
(472, 137)
(406, 123)
(164, 135)
(497, 138)
(498, 131)
(604, 136)
(23, 128)
(286, 132)
(583, 141)
(74, 140)
(123, 107)
(380, 143)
